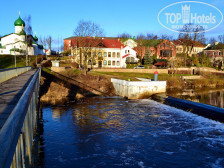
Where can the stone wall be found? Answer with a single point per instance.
(194, 70)
(136, 89)
(133, 70)
(59, 69)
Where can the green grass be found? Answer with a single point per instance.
(8, 61)
(132, 76)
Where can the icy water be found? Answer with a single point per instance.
(114, 132)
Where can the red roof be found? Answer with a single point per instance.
(160, 63)
(97, 42)
(188, 42)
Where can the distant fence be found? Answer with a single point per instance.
(151, 71)
(195, 71)
(6, 74)
(16, 136)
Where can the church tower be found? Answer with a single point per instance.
(19, 26)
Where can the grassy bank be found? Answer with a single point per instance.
(8, 61)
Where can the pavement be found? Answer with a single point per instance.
(10, 93)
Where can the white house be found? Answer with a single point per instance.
(16, 43)
(131, 43)
(108, 52)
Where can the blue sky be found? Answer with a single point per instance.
(60, 18)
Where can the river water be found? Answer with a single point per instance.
(114, 132)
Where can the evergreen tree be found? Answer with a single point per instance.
(147, 59)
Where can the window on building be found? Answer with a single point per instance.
(214, 53)
(94, 54)
(132, 59)
(163, 44)
(118, 54)
(168, 45)
(105, 54)
(105, 62)
(113, 55)
(89, 62)
(113, 63)
(109, 54)
(128, 51)
(100, 54)
(177, 49)
(125, 51)
(219, 53)
(118, 63)
(109, 62)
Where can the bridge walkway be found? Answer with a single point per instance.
(10, 93)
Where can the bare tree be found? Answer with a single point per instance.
(189, 34)
(192, 32)
(49, 42)
(43, 41)
(148, 36)
(141, 36)
(221, 38)
(165, 36)
(212, 40)
(151, 36)
(124, 35)
(88, 39)
(28, 26)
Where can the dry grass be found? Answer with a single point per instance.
(209, 80)
(57, 93)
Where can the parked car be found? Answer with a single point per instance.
(139, 67)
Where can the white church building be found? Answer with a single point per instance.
(16, 43)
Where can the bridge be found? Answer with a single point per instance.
(19, 91)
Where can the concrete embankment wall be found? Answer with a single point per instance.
(133, 70)
(6, 74)
(136, 89)
(59, 69)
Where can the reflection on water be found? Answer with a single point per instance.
(211, 97)
(113, 132)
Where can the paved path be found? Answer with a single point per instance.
(10, 93)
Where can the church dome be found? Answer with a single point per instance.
(22, 32)
(35, 38)
(19, 22)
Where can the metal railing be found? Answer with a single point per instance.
(16, 136)
(6, 74)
